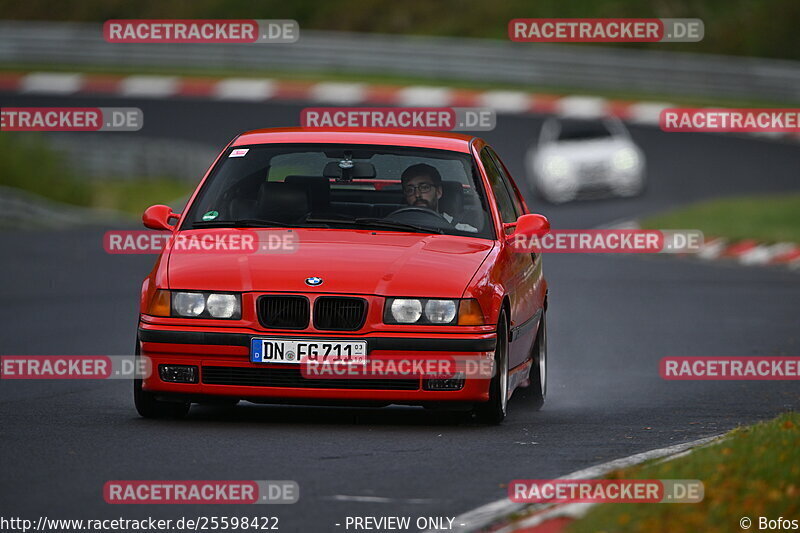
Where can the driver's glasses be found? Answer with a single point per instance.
(422, 187)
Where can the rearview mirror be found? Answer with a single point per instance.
(158, 217)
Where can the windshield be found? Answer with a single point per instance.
(584, 130)
(383, 188)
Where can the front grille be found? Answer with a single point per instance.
(283, 312)
(292, 377)
(339, 314)
(594, 171)
(593, 190)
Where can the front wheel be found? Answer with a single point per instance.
(149, 407)
(494, 411)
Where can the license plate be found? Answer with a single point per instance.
(297, 351)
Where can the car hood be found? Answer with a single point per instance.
(348, 261)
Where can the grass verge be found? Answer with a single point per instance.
(29, 164)
(754, 473)
(765, 218)
(133, 196)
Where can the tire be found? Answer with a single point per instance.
(149, 407)
(494, 411)
(537, 390)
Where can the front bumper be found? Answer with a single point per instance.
(591, 185)
(225, 370)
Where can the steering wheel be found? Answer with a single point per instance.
(415, 209)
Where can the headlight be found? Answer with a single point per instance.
(625, 159)
(222, 305)
(440, 311)
(404, 311)
(188, 303)
(556, 166)
(432, 311)
(206, 305)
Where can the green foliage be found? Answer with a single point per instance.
(766, 218)
(754, 472)
(762, 28)
(29, 164)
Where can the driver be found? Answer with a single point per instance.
(422, 187)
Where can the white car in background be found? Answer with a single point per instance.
(578, 158)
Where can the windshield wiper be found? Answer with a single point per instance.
(391, 224)
(243, 223)
(378, 223)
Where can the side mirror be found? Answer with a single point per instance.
(528, 226)
(158, 217)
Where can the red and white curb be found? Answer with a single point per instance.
(750, 252)
(745, 252)
(552, 518)
(336, 93)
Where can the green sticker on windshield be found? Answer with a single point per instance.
(211, 215)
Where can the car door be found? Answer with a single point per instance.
(522, 269)
(539, 286)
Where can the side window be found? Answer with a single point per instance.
(507, 181)
(504, 202)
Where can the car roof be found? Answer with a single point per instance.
(455, 142)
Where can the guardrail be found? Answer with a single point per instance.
(435, 58)
(128, 157)
(21, 209)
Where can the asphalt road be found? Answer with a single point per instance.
(611, 320)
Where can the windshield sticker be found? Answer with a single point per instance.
(211, 215)
(239, 152)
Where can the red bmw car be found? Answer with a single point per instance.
(383, 246)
